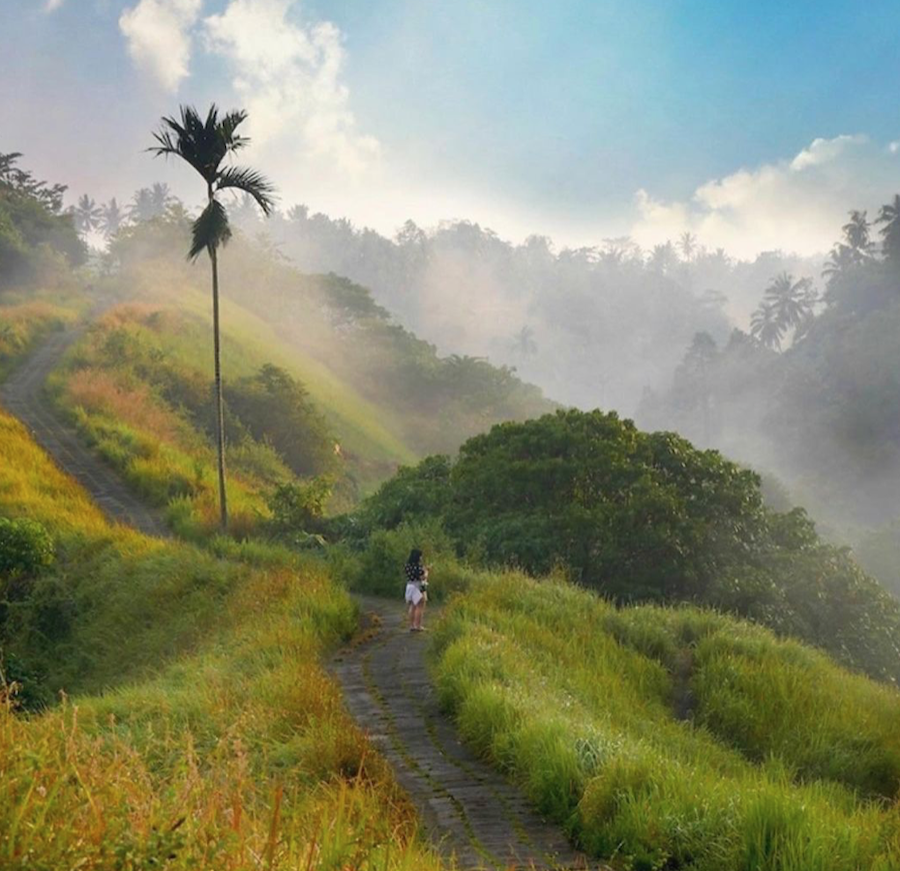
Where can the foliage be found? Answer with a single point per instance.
(591, 325)
(645, 516)
(378, 569)
(298, 509)
(879, 554)
(137, 391)
(415, 492)
(673, 738)
(823, 414)
(204, 144)
(32, 224)
(25, 547)
(276, 408)
(22, 325)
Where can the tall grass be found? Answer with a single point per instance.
(649, 732)
(212, 738)
(23, 324)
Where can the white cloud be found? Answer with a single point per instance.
(53, 5)
(796, 205)
(159, 38)
(288, 77)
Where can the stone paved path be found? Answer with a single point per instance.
(467, 808)
(22, 395)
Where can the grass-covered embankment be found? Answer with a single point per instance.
(138, 389)
(674, 738)
(213, 737)
(24, 324)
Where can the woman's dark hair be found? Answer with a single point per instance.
(415, 557)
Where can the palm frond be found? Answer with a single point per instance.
(228, 125)
(250, 182)
(210, 230)
(194, 140)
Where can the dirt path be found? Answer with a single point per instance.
(467, 808)
(22, 395)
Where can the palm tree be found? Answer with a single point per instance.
(663, 258)
(160, 197)
(205, 145)
(111, 218)
(766, 327)
(840, 261)
(142, 207)
(87, 214)
(890, 217)
(856, 232)
(688, 244)
(791, 301)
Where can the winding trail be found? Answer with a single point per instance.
(22, 394)
(467, 809)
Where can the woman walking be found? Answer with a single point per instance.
(416, 589)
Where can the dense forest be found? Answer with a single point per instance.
(592, 326)
(807, 392)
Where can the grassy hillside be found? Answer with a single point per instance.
(333, 335)
(211, 736)
(674, 738)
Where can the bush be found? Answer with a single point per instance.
(25, 548)
(298, 508)
(379, 569)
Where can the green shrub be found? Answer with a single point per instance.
(299, 508)
(25, 548)
(379, 569)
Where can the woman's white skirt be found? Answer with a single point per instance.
(413, 594)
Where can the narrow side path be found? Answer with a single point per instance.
(468, 810)
(22, 395)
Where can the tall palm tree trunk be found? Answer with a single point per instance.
(220, 404)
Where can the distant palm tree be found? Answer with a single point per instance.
(765, 326)
(856, 232)
(87, 214)
(889, 215)
(663, 258)
(160, 197)
(792, 301)
(688, 245)
(142, 207)
(204, 145)
(111, 218)
(840, 261)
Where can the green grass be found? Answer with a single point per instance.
(199, 728)
(249, 341)
(155, 447)
(783, 761)
(24, 324)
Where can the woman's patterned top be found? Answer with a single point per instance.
(415, 573)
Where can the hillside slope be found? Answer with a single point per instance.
(199, 728)
(674, 738)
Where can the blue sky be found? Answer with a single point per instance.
(572, 118)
